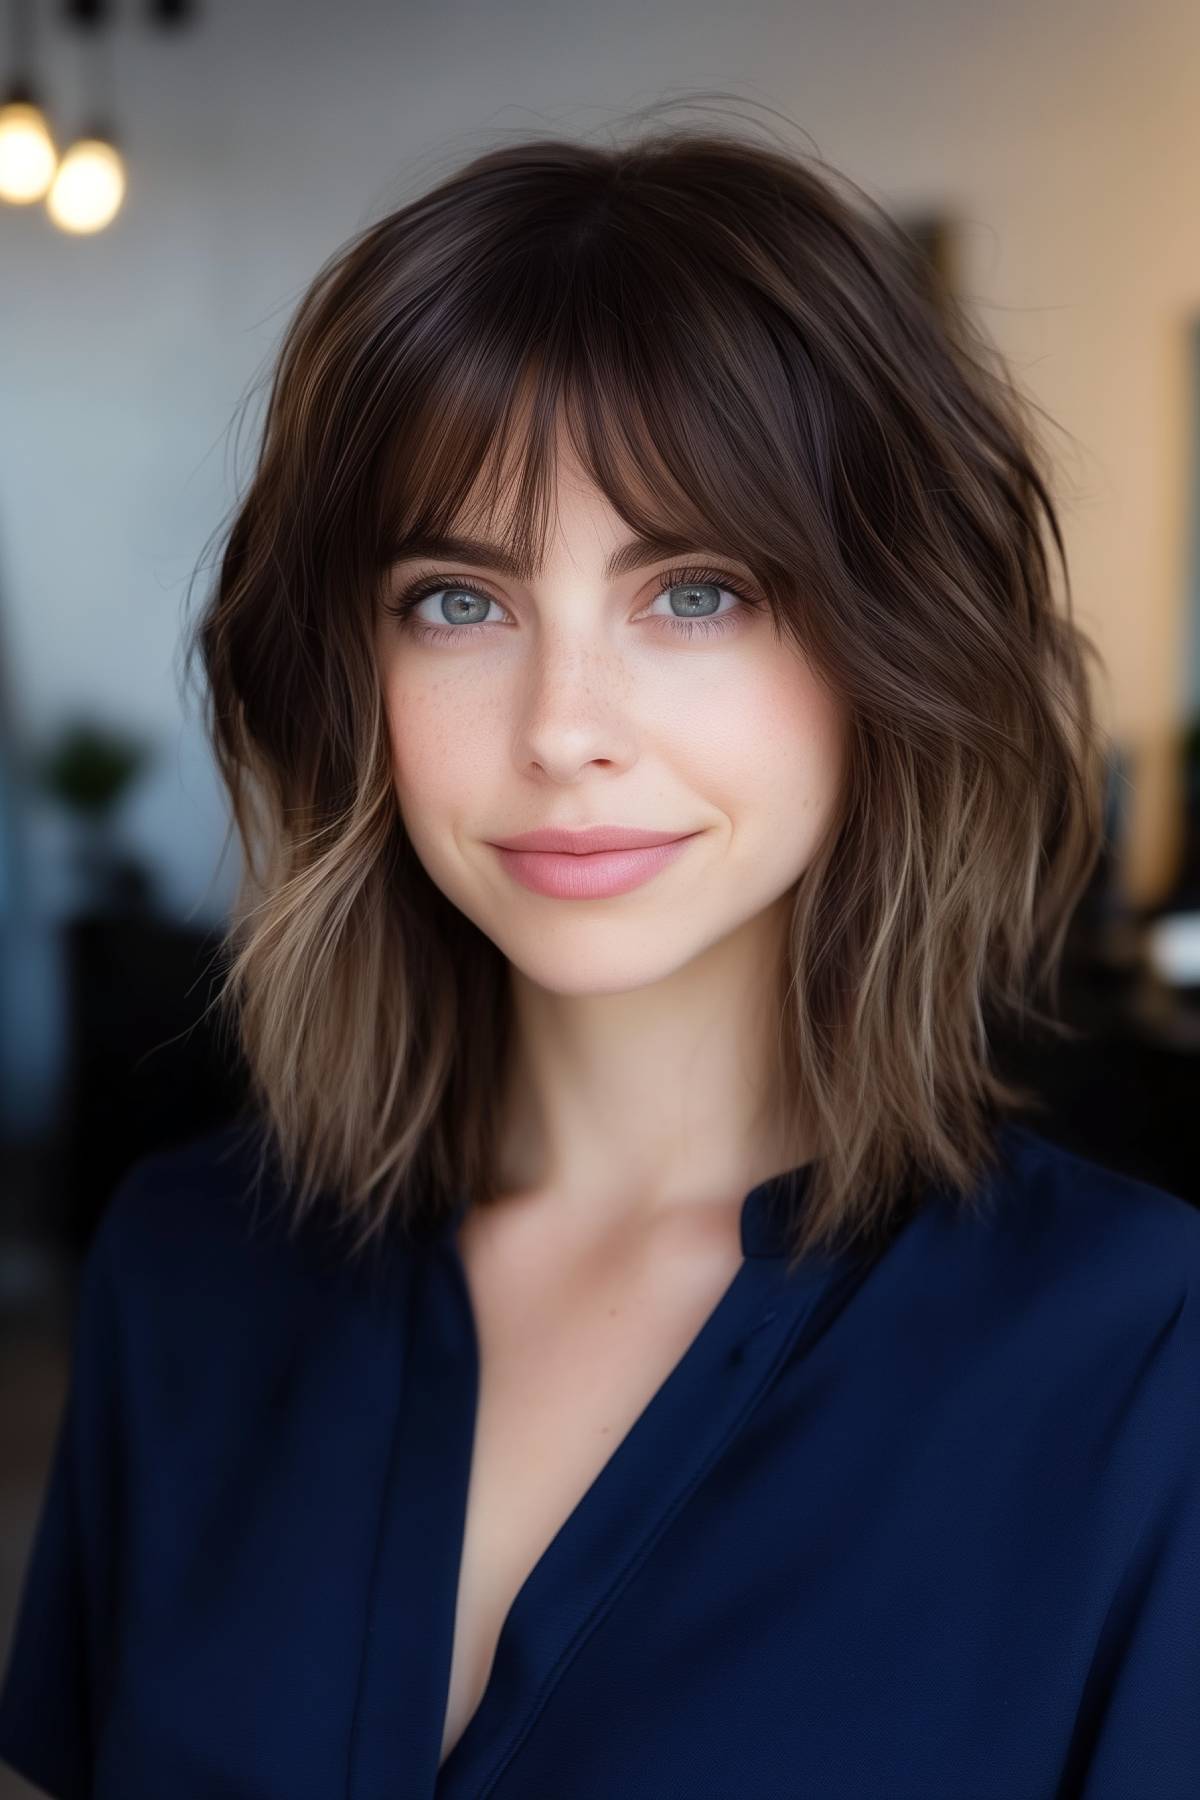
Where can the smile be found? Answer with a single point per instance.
(594, 876)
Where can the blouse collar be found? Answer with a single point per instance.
(767, 1212)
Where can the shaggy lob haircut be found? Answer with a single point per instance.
(746, 355)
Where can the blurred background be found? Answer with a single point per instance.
(171, 177)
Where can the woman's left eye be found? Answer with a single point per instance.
(699, 599)
(693, 597)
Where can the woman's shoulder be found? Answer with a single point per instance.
(196, 1189)
(205, 1230)
(201, 1309)
(197, 1211)
(1053, 1197)
(1063, 1251)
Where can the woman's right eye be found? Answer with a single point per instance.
(461, 607)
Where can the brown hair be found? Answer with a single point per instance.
(745, 350)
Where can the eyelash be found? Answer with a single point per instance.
(402, 607)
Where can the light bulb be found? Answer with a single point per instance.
(27, 153)
(89, 186)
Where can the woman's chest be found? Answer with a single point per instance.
(565, 1370)
(827, 1548)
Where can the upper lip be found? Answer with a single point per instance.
(594, 837)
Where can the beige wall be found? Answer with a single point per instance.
(1068, 139)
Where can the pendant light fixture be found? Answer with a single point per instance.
(88, 189)
(28, 157)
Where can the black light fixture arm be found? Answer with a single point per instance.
(19, 90)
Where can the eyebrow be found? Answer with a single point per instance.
(638, 553)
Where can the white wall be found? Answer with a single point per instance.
(1066, 138)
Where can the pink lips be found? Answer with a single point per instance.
(588, 865)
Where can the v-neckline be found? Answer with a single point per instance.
(668, 1450)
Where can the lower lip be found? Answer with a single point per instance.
(593, 877)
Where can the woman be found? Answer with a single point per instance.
(629, 1347)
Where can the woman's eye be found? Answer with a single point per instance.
(695, 600)
(459, 606)
(692, 605)
(455, 609)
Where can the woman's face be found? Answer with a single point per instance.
(578, 698)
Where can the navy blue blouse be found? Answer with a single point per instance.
(923, 1525)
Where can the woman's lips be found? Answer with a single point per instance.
(596, 876)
